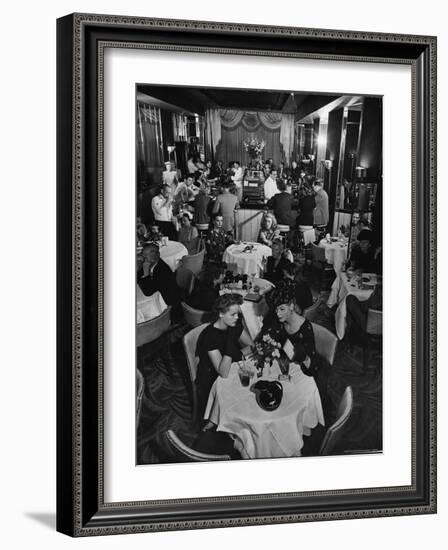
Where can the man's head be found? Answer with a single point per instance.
(189, 181)
(151, 253)
(294, 164)
(165, 191)
(273, 173)
(365, 240)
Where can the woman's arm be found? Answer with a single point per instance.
(221, 363)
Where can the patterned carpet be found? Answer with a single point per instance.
(166, 402)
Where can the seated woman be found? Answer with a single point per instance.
(276, 263)
(217, 240)
(206, 288)
(363, 255)
(293, 276)
(357, 312)
(296, 331)
(188, 234)
(268, 230)
(219, 345)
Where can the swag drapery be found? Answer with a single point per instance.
(226, 130)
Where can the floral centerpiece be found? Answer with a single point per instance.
(254, 146)
(267, 348)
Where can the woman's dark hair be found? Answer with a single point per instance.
(283, 293)
(225, 302)
(278, 242)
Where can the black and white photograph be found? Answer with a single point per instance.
(259, 237)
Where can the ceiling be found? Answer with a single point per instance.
(197, 100)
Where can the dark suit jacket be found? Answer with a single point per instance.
(162, 280)
(282, 204)
(275, 274)
(306, 207)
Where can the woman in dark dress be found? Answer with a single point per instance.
(296, 332)
(276, 263)
(219, 345)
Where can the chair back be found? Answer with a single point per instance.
(326, 342)
(152, 329)
(334, 432)
(194, 262)
(182, 451)
(318, 253)
(185, 280)
(202, 226)
(309, 311)
(283, 228)
(140, 387)
(374, 325)
(190, 340)
(193, 317)
(309, 235)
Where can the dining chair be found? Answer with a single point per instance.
(194, 262)
(187, 454)
(190, 340)
(374, 332)
(185, 280)
(309, 311)
(336, 430)
(152, 329)
(326, 342)
(140, 388)
(193, 317)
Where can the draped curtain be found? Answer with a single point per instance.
(226, 129)
(231, 146)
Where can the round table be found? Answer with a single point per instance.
(172, 252)
(335, 253)
(265, 434)
(247, 263)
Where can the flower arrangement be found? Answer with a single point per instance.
(254, 146)
(267, 349)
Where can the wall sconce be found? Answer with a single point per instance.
(328, 164)
(311, 157)
(361, 172)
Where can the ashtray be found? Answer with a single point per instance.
(268, 394)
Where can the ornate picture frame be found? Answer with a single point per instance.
(81, 42)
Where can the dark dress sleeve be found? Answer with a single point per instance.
(305, 346)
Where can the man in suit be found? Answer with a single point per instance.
(282, 205)
(154, 275)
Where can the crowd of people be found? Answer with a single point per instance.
(206, 198)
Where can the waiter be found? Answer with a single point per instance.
(162, 206)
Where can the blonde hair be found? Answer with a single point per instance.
(265, 217)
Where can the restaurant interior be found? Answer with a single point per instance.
(259, 274)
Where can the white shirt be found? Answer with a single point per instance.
(163, 211)
(169, 177)
(237, 178)
(270, 188)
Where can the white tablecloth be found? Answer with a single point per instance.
(172, 253)
(340, 289)
(247, 263)
(335, 254)
(265, 434)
